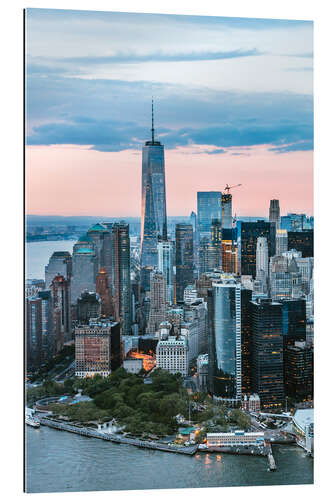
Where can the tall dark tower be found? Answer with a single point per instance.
(153, 209)
(184, 258)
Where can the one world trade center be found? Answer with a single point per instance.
(153, 209)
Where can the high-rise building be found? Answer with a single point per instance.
(97, 233)
(229, 251)
(103, 290)
(62, 319)
(224, 339)
(301, 241)
(121, 277)
(33, 332)
(215, 255)
(84, 267)
(267, 352)
(246, 328)
(209, 207)
(293, 321)
(88, 307)
(194, 222)
(165, 252)
(226, 211)
(250, 232)
(184, 258)
(298, 371)
(48, 346)
(158, 301)
(274, 213)
(59, 263)
(281, 241)
(107, 251)
(98, 348)
(153, 215)
(262, 263)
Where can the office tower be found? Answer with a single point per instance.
(33, 332)
(209, 207)
(88, 307)
(33, 286)
(224, 339)
(189, 331)
(305, 266)
(158, 301)
(98, 348)
(184, 258)
(121, 277)
(250, 232)
(153, 215)
(301, 241)
(107, 251)
(226, 211)
(274, 213)
(62, 320)
(246, 336)
(298, 371)
(175, 317)
(267, 352)
(190, 294)
(84, 267)
(262, 263)
(293, 321)
(103, 290)
(196, 313)
(96, 233)
(172, 355)
(194, 222)
(165, 252)
(145, 273)
(229, 251)
(280, 279)
(203, 253)
(59, 263)
(281, 241)
(215, 254)
(48, 346)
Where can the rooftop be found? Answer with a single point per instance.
(303, 417)
(84, 250)
(98, 227)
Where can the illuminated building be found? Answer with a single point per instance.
(262, 263)
(301, 241)
(165, 252)
(250, 232)
(184, 258)
(98, 348)
(103, 290)
(33, 331)
(158, 301)
(62, 320)
(298, 371)
(153, 215)
(281, 241)
(48, 347)
(121, 278)
(246, 329)
(267, 352)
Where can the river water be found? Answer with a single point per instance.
(58, 461)
(37, 255)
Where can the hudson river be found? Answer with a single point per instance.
(37, 255)
(60, 461)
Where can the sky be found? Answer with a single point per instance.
(233, 105)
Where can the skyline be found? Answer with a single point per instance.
(233, 98)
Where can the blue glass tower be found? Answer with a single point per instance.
(153, 209)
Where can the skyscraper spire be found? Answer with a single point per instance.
(152, 120)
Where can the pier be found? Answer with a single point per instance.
(271, 461)
(87, 432)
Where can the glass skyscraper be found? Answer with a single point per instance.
(224, 339)
(153, 209)
(209, 207)
(184, 258)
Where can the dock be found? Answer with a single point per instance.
(271, 461)
(88, 432)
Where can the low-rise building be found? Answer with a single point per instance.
(251, 403)
(133, 365)
(237, 438)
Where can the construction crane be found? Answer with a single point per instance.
(227, 188)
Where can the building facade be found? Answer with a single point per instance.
(172, 355)
(184, 259)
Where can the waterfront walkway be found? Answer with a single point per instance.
(85, 431)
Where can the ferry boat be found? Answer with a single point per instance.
(30, 421)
